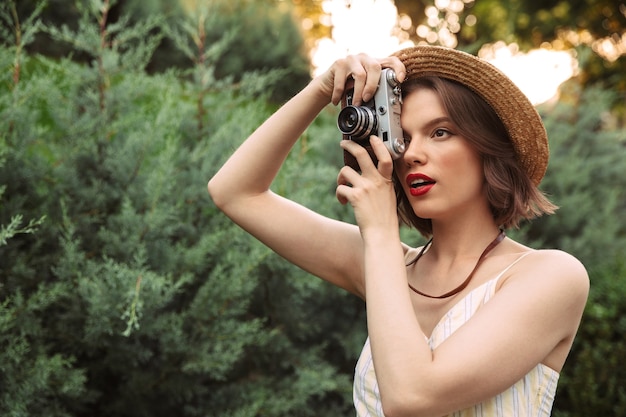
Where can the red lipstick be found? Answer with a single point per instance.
(419, 184)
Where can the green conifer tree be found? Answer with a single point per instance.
(137, 297)
(586, 178)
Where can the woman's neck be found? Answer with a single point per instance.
(462, 239)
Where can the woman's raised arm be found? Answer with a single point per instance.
(327, 248)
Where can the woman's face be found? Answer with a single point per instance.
(440, 172)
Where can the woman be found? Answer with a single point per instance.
(471, 324)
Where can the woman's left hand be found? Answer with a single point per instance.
(370, 193)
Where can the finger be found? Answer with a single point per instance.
(361, 155)
(360, 76)
(341, 74)
(383, 171)
(385, 162)
(342, 194)
(346, 177)
(396, 65)
(373, 69)
(365, 71)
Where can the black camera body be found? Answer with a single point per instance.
(379, 116)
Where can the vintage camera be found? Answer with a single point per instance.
(380, 116)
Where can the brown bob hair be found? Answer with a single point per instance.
(511, 194)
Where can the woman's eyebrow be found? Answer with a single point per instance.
(435, 122)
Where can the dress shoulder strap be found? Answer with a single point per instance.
(504, 271)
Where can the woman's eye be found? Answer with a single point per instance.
(441, 133)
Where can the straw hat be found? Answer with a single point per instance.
(514, 109)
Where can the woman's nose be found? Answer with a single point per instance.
(414, 152)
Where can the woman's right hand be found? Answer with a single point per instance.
(365, 71)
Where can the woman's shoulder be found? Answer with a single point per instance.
(547, 258)
(556, 267)
(556, 258)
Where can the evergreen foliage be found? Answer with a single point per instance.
(125, 292)
(261, 36)
(586, 178)
(593, 381)
(136, 297)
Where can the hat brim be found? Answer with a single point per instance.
(517, 113)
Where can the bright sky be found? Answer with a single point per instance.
(367, 26)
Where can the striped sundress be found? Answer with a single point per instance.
(531, 396)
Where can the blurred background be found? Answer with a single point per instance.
(125, 292)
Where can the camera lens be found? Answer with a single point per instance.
(357, 122)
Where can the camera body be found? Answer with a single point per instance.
(379, 116)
